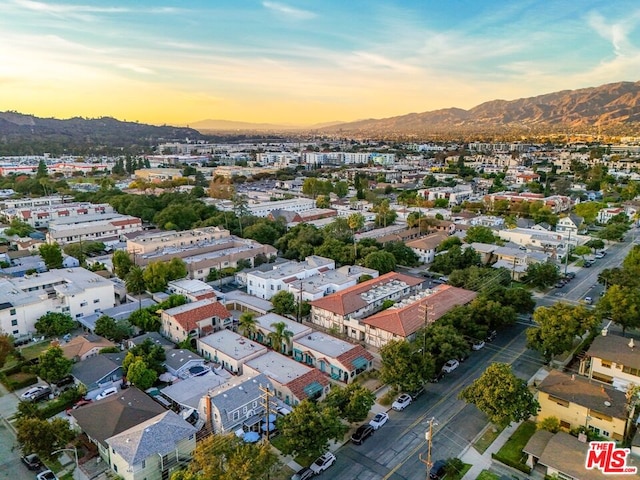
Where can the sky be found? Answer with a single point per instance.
(303, 62)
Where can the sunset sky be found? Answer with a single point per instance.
(303, 61)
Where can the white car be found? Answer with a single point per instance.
(402, 402)
(450, 366)
(323, 462)
(32, 392)
(477, 345)
(107, 393)
(46, 475)
(379, 420)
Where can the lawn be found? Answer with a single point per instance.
(487, 438)
(305, 461)
(487, 475)
(33, 350)
(460, 474)
(512, 449)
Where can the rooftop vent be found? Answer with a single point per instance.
(607, 404)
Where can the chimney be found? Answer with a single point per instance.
(631, 344)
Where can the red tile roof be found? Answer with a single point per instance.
(297, 385)
(189, 319)
(408, 320)
(348, 301)
(348, 357)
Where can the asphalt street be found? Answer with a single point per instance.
(396, 450)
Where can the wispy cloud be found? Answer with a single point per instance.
(67, 8)
(135, 68)
(287, 11)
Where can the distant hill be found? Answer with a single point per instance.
(231, 126)
(611, 107)
(18, 130)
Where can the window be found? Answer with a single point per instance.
(96, 300)
(236, 415)
(559, 401)
(600, 416)
(79, 315)
(14, 323)
(12, 311)
(15, 332)
(244, 410)
(144, 464)
(83, 304)
(605, 363)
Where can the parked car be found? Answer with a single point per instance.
(107, 393)
(437, 470)
(36, 394)
(32, 461)
(450, 366)
(437, 377)
(379, 420)
(600, 255)
(47, 475)
(304, 474)
(416, 393)
(362, 433)
(323, 462)
(64, 383)
(560, 284)
(571, 275)
(491, 336)
(32, 391)
(465, 355)
(588, 300)
(477, 345)
(402, 402)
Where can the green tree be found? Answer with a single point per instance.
(51, 253)
(556, 328)
(121, 263)
(280, 337)
(550, 424)
(613, 231)
(502, 396)
(43, 436)
(404, 367)
(140, 375)
(134, 281)
(341, 189)
(323, 201)
(283, 302)
(42, 170)
(480, 234)
(404, 255)
(308, 429)
(248, 325)
(383, 262)
(588, 210)
(455, 259)
(541, 275)
(19, 228)
(153, 355)
(227, 457)
(582, 250)
(145, 320)
(385, 215)
(443, 342)
(622, 305)
(448, 243)
(596, 244)
(111, 329)
(353, 401)
(53, 365)
(6, 348)
(54, 324)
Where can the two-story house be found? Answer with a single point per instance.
(229, 349)
(613, 359)
(265, 327)
(580, 402)
(99, 372)
(193, 320)
(425, 247)
(571, 223)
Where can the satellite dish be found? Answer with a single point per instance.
(607, 404)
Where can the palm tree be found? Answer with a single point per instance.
(279, 336)
(134, 282)
(355, 222)
(247, 325)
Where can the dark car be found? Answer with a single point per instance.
(571, 275)
(437, 470)
(464, 356)
(362, 433)
(32, 462)
(304, 474)
(491, 336)
(437, 377)
(64, 383)
(417, 392)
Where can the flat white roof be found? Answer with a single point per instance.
(278, 367)
(231, 344)
(265, 321)
(326, 344)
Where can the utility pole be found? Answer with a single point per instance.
(428, 436)
(299, 312)
(266, 394)
(566, 263)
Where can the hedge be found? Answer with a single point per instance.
(13, 385)
(64, 401)
(511, 463)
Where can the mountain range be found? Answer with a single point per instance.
(610, 108)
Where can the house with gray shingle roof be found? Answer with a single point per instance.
(99, 372)
(185, 363)
(152, 449)
(613, 359)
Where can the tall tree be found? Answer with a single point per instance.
(247, 324)
(43, 436)
(6, 348)
(283, 302)
(556, 328)
(622, 305)
(134, 280)
(542, 275)
(308, 429)
(51, 253)
(480, 234)
(383, 262)
(54, 324)
(405, 366)
(42, 172)
(53, 365)
(140, 375)
(353, 401)
(227, 457)
(280, 337)
(502, 396)
(121, 263)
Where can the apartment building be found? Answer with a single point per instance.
(203, 250)
(74, 291)
(557, 203)
(425, 247)
(42, 216)
(92, 228)
(17, 203)
(455, 195)
(229, 349)
(297, 205)
(614, 360)
(265, 284)
(194, 320)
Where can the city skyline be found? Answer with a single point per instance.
(302, 62)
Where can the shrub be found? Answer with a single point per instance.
(507, 461)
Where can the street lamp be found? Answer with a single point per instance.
(75, 453)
